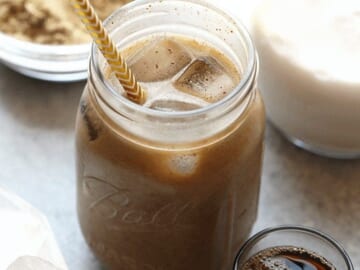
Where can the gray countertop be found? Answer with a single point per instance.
(37, 163)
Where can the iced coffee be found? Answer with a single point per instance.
(292, 248)
(172, 184)
(287, 258)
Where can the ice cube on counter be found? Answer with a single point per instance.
(25, 232)
(173, 100)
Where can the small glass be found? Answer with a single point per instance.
(301, 237)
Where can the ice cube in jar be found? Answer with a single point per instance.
(205, 78)
(174, 104)
(160, 60)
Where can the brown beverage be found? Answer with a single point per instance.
(287, 258)
(169, 186)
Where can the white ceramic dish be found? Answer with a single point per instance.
(60, 63)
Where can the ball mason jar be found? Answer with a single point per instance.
(165, 190)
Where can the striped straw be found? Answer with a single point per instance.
(117, 63)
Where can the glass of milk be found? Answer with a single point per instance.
(309, 72)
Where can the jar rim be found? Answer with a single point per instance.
(294, 228)
(245, 85)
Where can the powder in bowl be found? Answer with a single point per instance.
(49, 22)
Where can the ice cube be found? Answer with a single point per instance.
(207, 79)
(173, 105)
(184, 164)
(25, 231)
(31, 263)
(171, 100)
(160, 61)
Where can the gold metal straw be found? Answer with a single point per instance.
(117, 63)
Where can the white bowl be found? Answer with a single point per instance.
(60, 63)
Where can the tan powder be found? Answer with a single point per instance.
(49, 22)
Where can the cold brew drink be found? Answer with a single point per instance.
(292, 248)
(287, 258)
(171, 184)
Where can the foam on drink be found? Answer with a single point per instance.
(287, 258)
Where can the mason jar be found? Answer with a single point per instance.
(170, 190)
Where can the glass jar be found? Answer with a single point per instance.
(170, 190)
(301, 237)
